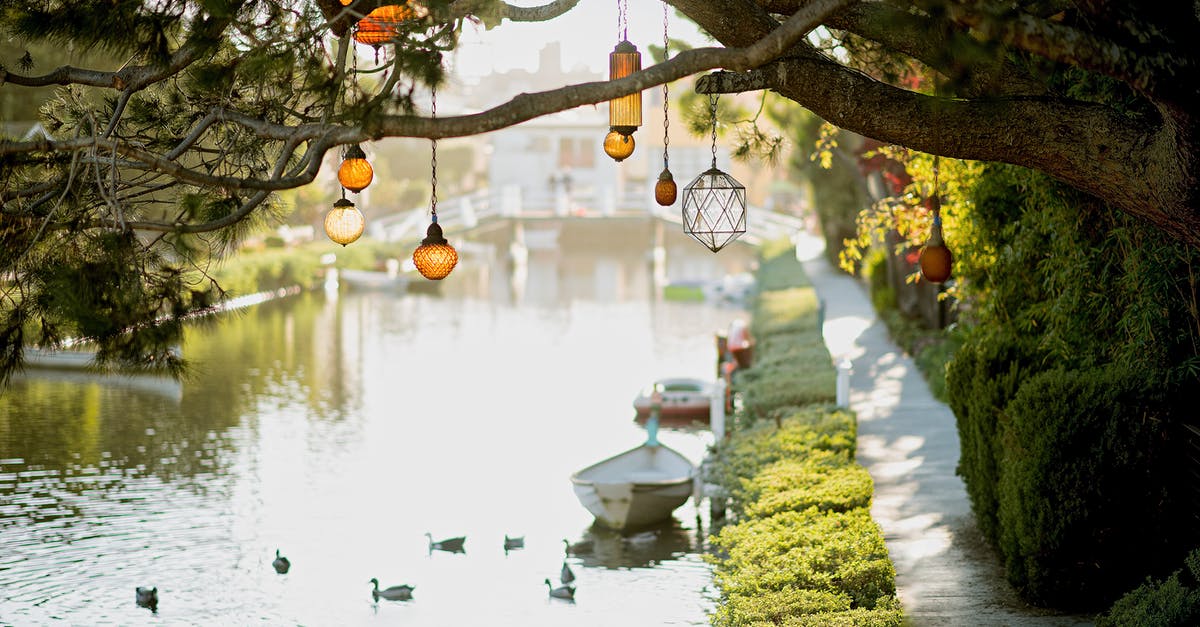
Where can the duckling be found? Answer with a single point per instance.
(567, 575)
(281, 563)
(148, 598)
(561, 592)
(394, 593)
(453, 545)
(511, 544)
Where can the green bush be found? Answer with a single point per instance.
(1171, 603)
(825, 480)
(980, 380)
(1085, 488)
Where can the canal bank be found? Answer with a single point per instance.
(801, 547)
(945, 572)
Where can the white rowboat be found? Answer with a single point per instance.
(636, 488)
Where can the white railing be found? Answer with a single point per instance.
(467, 212)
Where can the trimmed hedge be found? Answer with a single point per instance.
(1171, 603)
(1086, 484)
(804, 550)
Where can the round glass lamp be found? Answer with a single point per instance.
(714, 209)
(355, 173)
(936, 260)
(344, 223)
(665, 189)
(435, 257)
(379, 26)
(618, 145)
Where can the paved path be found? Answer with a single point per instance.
(907, 439)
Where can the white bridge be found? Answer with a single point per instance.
(459, 216)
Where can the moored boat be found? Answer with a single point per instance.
(638, 487)
(684, 401)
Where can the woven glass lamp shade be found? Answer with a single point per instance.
(665, 189)
(355, 173)
(380, 25)
(714, 209)
(624, 113)
(344, 223)
(435, 257)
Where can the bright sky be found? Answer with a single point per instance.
(587, 34)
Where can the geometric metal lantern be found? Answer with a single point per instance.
(714, 203)
(344, 223)
(714, 209)
(355, 173)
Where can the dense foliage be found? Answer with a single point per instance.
(1082, 349)
(803, 549)
(1173, 602)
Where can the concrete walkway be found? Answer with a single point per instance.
(908, 441)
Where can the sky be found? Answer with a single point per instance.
(587, 34)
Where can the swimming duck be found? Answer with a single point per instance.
(148, 598)
(281, 563)
(453, 545)
(561, 592)
(394, 593)
(513, 543)
(567, 575)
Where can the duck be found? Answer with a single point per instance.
(579, 548)
(148, 598)
(561, 592)
(513, 543)
(453, 545)
(567, 575)
(281, 563)
(394, 593)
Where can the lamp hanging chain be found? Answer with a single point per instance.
(937, 197)
(712, 104)
(623, 19)
(666, 101)
(433, 159)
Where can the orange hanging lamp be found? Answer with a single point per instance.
(936, 260)
(625, 112)
(380, 25)
(665, 190)
(435, 258)
(355, 173)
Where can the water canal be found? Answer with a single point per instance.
(341, 428)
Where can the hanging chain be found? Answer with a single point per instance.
(712, 104)
(937, 197)
(666, 101)
(623, 19)
(433, 160)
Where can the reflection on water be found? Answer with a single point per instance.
(341, 431)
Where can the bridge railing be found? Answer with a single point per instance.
(468, 211)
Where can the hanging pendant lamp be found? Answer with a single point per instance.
(355, 173)
(665, 190)
(380, 25)
(714, 203)
(435, 258)
(936, 260)
(344, 223)
(625, 112)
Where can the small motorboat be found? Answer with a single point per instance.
(684, 401)
(639, 487)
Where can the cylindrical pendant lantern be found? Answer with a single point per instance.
(355, 173)
(624, 113)
(714, 209)
(435, 257)
(935, 259)
(379, 26)
(618, 146)
(665, 189)
(344, 223)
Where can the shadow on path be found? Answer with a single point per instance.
(946, 574)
